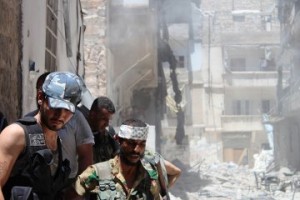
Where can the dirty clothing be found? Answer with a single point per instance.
(43, 172)
(105, 146)
(106, 180)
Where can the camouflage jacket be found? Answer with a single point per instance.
(106, 180)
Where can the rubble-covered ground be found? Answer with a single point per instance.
(220, 181)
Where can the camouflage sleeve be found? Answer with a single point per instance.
(86, 181)
(152, 157)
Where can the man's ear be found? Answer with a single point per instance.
(116, 137)
(40, 97)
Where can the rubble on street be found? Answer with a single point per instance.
(229, 181)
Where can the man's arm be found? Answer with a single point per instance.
(86, 181)
(84, 149)
(85, 156)
(84, 143)
(173, 173)
(12, 143)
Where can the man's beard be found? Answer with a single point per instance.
(52, 128)
(123, 157)
(45, 122)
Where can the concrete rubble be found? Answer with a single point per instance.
(230, 181)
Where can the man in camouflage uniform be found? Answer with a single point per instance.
(127, 175)
(106, 147)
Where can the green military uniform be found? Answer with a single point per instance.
(106, 180)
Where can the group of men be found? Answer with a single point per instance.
(60, 152)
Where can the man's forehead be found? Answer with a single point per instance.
(135, 141)
(104, 113)
(104, 110)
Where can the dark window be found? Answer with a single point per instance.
(181, 61)
(53, 4)
(241, 107)
(51, 35)
(246, 107)
(238, 64)
(236, 107)
(238, 18)
(265, 106)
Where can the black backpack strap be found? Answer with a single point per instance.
(25, 154)
(61, 178)
(23, 193)
(27, 121)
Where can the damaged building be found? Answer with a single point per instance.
(149, 66)
(149, 72)
(240, 47)
(287, 115)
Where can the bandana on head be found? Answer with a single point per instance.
(134, 133)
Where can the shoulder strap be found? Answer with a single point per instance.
(107, 182)
(163, 177)
(24, 123)
(27, 121)
(103, 170)
(154, 164)
(33, 133)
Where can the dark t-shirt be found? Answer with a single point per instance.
(105, 146)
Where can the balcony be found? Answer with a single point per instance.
(238, 123)
(251, 38)
(250, 79)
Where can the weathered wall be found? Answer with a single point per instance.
(10, 56)
(286, 141)
(220, 19)
(94, 46)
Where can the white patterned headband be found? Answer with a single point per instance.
(134, 133)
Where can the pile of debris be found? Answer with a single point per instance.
(229, 181)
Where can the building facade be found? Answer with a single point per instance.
(240, 47)
(286, 118)
(52, 40)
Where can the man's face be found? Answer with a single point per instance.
(54, 119)
(100, 119)
(131, 151)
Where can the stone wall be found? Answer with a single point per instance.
(218, 18)
(94, 46)
(10, 57)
